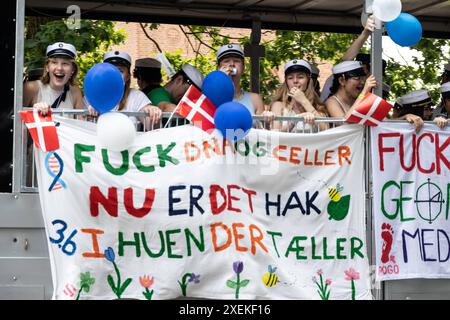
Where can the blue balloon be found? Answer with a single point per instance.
(405, 30)
(103, 87)
(218, 87)
(233, 116)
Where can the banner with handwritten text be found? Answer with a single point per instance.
(411, 201)
(185, 213)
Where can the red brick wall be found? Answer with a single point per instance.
(171, 38)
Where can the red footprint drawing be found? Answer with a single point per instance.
(386, 234)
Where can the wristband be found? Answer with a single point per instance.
(361, 96)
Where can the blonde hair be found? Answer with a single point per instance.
(282, 95)
(45, 79)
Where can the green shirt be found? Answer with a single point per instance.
(158, 95)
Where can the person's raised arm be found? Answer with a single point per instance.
(356, 46)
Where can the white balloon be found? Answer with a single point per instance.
(386, 10)
(115, 131)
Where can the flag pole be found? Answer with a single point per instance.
(171, 116)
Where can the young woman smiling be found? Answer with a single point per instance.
(57, 88)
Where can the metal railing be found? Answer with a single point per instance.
(28, 171)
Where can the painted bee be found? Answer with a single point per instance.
(270, 278)
(334, 193)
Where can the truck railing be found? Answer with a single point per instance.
(28, 173)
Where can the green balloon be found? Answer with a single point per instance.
(339, 210)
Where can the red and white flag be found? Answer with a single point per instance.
(42, 129)
(197, 108)
(370, 111)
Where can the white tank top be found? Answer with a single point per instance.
(48, 95)
(247, 102)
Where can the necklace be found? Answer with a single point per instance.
(344, 105)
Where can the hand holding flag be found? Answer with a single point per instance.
(370, 111)
(42, 129)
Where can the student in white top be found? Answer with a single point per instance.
(350, 85)
(297, 97)
(133, 100)
(230, 59)
(57, 88)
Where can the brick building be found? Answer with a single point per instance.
(171, 37)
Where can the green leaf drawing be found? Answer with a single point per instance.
(244, 283)
(232, 284)
(111, 283)
(125, 285)
(148, 294)
(339, 210)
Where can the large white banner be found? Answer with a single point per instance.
(182, 213)
(411, 201)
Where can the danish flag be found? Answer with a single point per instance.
(42, 129)
(197, 108)
(370, 111)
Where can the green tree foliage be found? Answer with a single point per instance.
(423, 73)
(92, 40)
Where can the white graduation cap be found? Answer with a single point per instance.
(413, 99)
(117, 57)
(61, 49)
(148, 63)
(445, 90)
(194, 75)
(297, 65)
(229, 49)
(354, 67)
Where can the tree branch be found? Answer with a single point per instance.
(199, 39)
(218, 34)
(150, 38)
(188, 39)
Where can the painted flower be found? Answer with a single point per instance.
(319, 272)
(109, 254)
(351, 274)
(146, 281)
(238, 266)
(328, 282)
(86, 281)
(195, 278)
